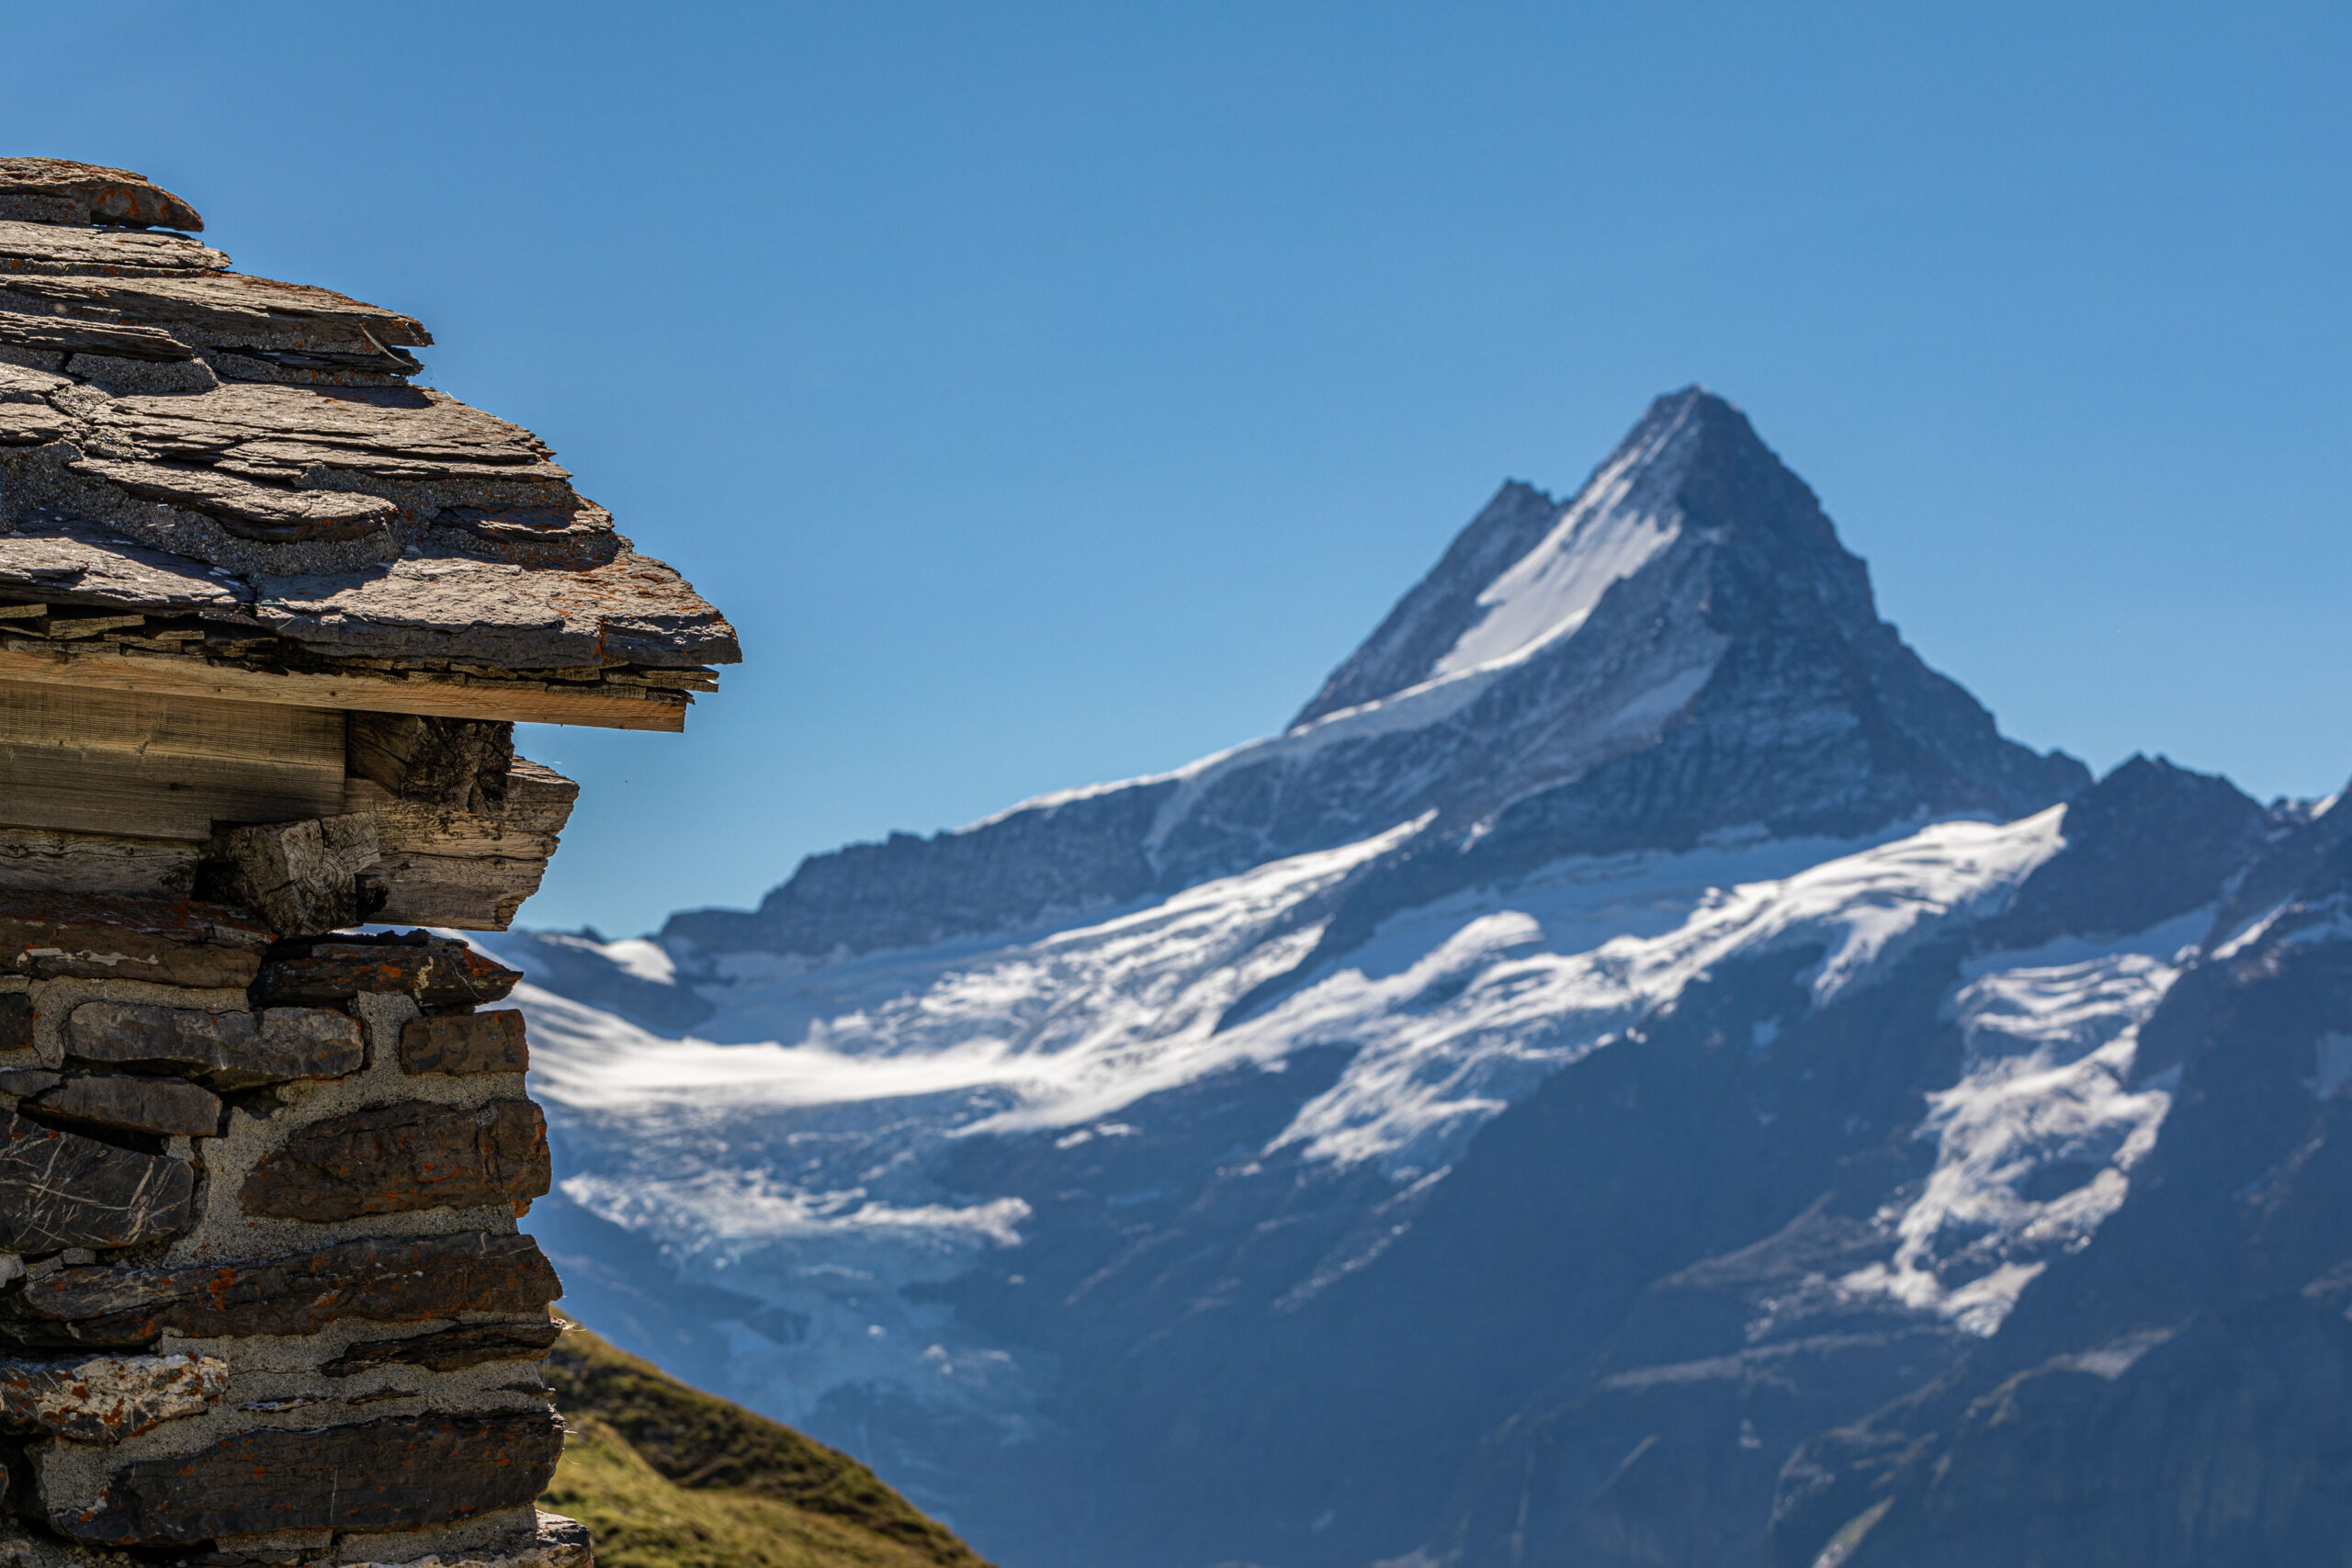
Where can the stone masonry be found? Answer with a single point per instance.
(268, 614)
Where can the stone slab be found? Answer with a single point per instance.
(228, 1050)
(470, 1043)
(389, 1160)
(381, 1279)
(438, 971)
(447, 1349)
(170, 941)
(104, 1399)
(165, 1107)
(401, 1473)
(94, 192)
(560, 1544)
(61, 1190)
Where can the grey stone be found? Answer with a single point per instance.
(61, 1190)
(92, 192)
(401, 1473)
(165, 1107)
(383, 1280)
(470, 1043)
(104, 1399)
(447, 1349)
(391, 1158)
(228, 1050)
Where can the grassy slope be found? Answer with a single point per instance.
(666, 1476)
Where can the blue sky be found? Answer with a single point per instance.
(1054, 393)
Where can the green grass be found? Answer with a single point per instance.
(666, 1476)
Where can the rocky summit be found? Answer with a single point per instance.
(1640, 1071)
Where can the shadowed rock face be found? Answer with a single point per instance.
(1683, 649)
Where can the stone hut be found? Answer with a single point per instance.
(268, 614)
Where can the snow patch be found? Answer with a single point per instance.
(2036, 1142)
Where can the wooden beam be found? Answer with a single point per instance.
(127, 763)
(447, 696)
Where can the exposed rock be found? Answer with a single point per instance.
(103, 252)
(15, 1022)
(59, 1190)
(52, 190)
(302, 878)
(400, 1473)
(104, 1399)
(228, 1050)
(414, 1154)
(439, 972)
(385, 1279)
(560, 1544)
(470, 1043)
(74, 562)
(447, 1349)
(171, 941)
(165, 1107)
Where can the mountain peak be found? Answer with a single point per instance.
(1683, 649)
(1530, 570)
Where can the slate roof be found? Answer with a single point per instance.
(247, 465)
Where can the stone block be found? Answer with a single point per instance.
(470, 1043)
(438, 971)
(558, 1543)
(447, 1349)
(403, 1472)
(228, 1050)
(104, 1399)
(161, 1106)
(414, 1154)
(61, 1190)
(171, 941)
(381, 1279)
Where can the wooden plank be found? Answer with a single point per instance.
(153, 767)
(604, 707)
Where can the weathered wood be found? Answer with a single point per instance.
(59, 1190)
(302, 878)
(161, 1106)
(389, 1160)
(61, 861)
(161, 768)
(448, 1349)
(228, 1050)
(95, 192)
(104, 1399)
(399, 1473)
(457, 762)
(381, 1279)
(525, 702)
(444, 866)
(171, 941)
(470, 1043)
(439, 972)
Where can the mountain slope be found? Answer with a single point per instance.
(667, 1477)
(1615, 1083)
(1684, 648)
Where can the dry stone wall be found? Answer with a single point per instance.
(265, 1296)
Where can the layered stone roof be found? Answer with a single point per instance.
(225, 480)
